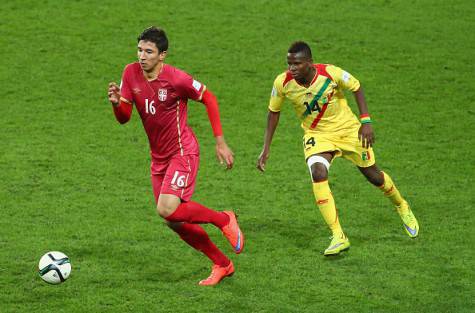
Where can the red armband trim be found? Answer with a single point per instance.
(122, 112)
(211, 103)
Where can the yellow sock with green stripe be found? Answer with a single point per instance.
(390, 190)
(326, 204)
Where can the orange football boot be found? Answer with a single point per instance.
(233, 233)
(217, 274)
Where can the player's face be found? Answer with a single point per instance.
(149, 56)
(300, 66)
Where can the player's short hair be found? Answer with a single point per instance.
(301, 47)
(156, 35)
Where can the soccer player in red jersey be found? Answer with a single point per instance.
(160, 93)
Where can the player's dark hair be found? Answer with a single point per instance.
(301, 47)
(155, 35)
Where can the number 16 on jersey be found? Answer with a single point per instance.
(149, 107)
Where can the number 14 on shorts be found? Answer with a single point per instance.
(309, 143)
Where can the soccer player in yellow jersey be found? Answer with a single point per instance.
(330, 130)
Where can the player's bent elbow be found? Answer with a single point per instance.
(208, 98)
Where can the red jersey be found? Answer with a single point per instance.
(162, 106)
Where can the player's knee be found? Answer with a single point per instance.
(319, 172)
(318, 167)
(164, 210)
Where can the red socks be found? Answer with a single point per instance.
(196, 236)
(195, 213)
(192, 213)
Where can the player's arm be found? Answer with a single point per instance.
(277, 98)
(121, 106)
(349, 82)
(365, 133)
(223, 152)
(272, 122)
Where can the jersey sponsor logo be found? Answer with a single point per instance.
(196, 85)
(136, 90)
(346, 76)
(162, 94)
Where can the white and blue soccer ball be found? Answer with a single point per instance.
(54, 267)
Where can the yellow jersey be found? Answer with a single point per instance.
(321, 107)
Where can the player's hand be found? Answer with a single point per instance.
(114, 93)
(262, 159)
(224, 154)
(366, 135)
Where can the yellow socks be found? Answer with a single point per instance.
(326, 204)
(390, 190)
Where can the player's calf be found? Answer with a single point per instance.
(373, 174)
(175, 226)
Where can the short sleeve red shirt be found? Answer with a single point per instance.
(162, 106)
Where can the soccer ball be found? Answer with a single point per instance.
(54, 267)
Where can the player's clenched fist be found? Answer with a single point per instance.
(114, 93)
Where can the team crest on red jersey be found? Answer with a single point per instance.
(162, 94)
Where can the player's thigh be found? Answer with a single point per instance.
(180, 177)
(314, 144)
(157, 181)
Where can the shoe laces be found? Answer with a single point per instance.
(213, 272)
(408, 216)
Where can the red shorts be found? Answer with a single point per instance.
(177, 176)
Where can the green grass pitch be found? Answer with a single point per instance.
(72, 179)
